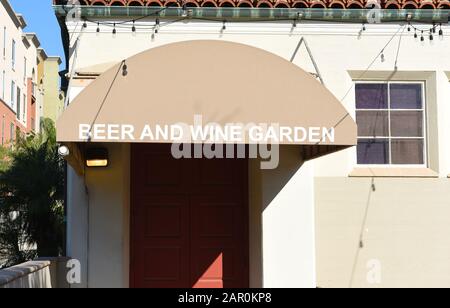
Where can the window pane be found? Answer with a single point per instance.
(407, 151)
(372, 123)
(373, 151)
(371, 96)
(407, 124)
(406, 96)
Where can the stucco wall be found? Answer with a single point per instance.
(409, 217)
(98, 234)
(405, 234)
(282, 245)
(53, 101)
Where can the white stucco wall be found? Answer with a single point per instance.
(288, 223)
(342, 54)
(98, 221)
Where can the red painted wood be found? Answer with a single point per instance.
(189, 224)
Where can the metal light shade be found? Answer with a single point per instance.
(97, 157)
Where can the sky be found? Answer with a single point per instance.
(41, 19)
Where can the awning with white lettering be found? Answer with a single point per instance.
(142, 98)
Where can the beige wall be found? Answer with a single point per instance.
(281, 255)
(407, 231)
(53, 97)
(282, 244)
(98, 225)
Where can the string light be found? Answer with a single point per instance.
(155, 29)
(382, 56)
(157, 24)
(185, 11)
(124, 69)
(431, 31)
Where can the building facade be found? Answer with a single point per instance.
(18, 66)
(53, 101)
(368, 212)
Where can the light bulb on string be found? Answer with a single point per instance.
(441, 33)
(133, 29)
(382, 56)
(431, 36)
(98, 27)
(184, 12)
(422, 38)
(157, 23)
(114, 29)
(224, 25)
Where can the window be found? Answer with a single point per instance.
(4, 42)
(24, 70)
(391, 123)
(12, 131)
(3, 85)
(24, 109)
(19, 103)
(13, 94)
(3, 130)
(13, 54)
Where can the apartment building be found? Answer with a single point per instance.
(17, 67)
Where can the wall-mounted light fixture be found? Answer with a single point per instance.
(97, 157)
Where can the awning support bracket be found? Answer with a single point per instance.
(303, 40)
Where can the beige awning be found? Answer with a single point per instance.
(223, 82)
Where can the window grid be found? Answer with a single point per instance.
(390, 138)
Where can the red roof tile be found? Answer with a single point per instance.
(387, 4)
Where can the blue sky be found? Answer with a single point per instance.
(41, 20)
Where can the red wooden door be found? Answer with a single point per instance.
(189, 224)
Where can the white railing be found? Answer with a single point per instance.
(42, 273)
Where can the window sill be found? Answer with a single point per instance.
(394, 173)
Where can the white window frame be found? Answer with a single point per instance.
(13, 54)
(390, 138)
(13, 95)
(18, 103)
(4, 42)
(24, 109)
(24, 70)
(3, 85)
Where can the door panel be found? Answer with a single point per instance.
(189, 221)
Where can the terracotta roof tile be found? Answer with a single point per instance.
(387, 4)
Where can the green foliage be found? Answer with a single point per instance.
(31, 198)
